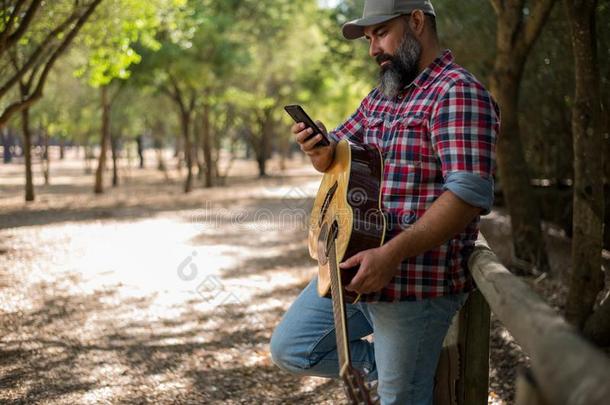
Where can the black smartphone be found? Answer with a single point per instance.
(299, 115)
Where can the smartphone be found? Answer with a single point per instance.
(299, 115)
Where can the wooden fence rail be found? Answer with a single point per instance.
(566, 368)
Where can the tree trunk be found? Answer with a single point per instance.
(161, 162)
(105, 138)
(27, 150)
(158, 133)
(263, 149)
(284, 148)
(185, 120)
(46, 158)
(62, 149)
(523, 206)
(515, 36)
(248, 153)
(114, 146)
(588, 200)
(88, 158)
(207, 144)
(197, 146)
(7, 144)
(179, 153)
(140, 143)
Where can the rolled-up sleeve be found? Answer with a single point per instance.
(464, 130)
(475, 190)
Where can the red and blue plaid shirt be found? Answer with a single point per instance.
(438, 134)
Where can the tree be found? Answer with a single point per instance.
(544, 112)
(587, 279)
(518, 27)
(197, 55)
(127, 125)
(284, 50)
(110, 55)
(30, 45)
(43, 30)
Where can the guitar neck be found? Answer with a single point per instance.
(339, 311)
(356, 391)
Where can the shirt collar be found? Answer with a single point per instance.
(429, 74)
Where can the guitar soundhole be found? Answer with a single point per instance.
(327, 199)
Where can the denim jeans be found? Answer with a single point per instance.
(408, 338)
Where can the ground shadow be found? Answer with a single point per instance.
(49, 356)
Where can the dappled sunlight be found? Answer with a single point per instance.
(159, 304)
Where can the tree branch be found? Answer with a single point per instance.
(11, 20)
(37, 94)
(34, 58)
(12, 39)
(538, 16)
(177, 95)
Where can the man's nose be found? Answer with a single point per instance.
(374, 48)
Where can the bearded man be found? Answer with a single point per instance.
(436, 127)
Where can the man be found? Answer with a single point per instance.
(436, 127)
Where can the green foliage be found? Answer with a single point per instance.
(111, 51)
(246, 59)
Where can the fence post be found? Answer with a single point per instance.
(462, 375)
(473, 342)
(448, 368)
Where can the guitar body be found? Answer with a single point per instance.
(349, 198)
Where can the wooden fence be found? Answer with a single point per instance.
(565, 368)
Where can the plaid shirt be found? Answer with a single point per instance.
(441, 129)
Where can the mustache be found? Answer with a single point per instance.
(382, 58)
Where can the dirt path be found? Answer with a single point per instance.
(147, 295)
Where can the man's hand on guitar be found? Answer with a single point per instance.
(377, 267)
(321, 156)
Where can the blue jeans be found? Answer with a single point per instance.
(408, 338)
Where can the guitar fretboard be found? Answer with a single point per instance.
(338, 310)
(355, 390)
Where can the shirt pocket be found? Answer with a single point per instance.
(409, 144)
(374, 130)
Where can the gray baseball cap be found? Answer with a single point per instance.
(378, 11)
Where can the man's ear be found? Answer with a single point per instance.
(417, 22)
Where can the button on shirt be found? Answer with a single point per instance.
(439, 134)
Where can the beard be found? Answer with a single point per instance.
(402, 68)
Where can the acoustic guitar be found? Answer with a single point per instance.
(347, 218)
(350, 195)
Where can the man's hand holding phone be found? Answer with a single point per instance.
(312, 138)
(321, 156)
